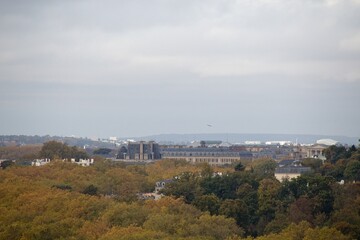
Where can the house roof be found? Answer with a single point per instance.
(166, 180)
(286, 162)
(292, 169)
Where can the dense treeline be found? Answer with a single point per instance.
(66, 201)
(52, 150)
(58, 150)
(22, 153)
(260, 204)
(56, 202)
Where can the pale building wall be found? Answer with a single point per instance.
(282, 176)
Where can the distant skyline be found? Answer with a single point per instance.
(138, 68)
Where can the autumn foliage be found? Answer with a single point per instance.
(66, 201)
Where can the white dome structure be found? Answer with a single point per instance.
(327, 142)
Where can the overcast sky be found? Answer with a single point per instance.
(141, 67)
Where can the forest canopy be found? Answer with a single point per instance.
(65, 201)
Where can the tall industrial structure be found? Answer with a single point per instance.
(140, 151)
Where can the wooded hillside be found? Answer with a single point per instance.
(65, 201)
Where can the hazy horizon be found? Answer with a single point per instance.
(139, 68)
(177, 138)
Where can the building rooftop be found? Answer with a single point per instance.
(292, 169)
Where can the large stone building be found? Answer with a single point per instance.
(212, 156)
(311, 151)
(140, 151)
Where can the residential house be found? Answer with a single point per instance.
(83, 162)
(40, 162)
(293, 170)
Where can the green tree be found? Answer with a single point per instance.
(206, 170)
(239, 167)
(120, 183)
(264, 168)
(318, 188)
(279, 223)
(216, 227)
(324, 234)
(125, 215)
(352, 170)
(7, 163)
(314, 163)
(333, 170)
(268, 194)
(302, 210)
(186, 185)
(55, 150)
(248, 194)
(91, 190)
(236, 209)
(225, 187)
(334, 153)
(209, 203)
(132, 233)
(74, 152)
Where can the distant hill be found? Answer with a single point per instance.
(241, 138)
(71, 141)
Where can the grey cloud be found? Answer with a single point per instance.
(193, 60)
(139, 34)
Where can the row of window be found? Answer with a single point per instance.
(208, 160)
(214, 160)
(216, 154)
